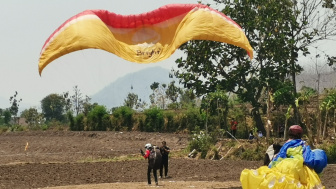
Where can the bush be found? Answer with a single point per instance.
(192, 119)
(80, 122)
(154, 121)
(123, 117)
(96, 118)
(3, 128)
(201, 142)
(171, 124)
(18, 128)
(252, 154)
(331, 153)
(71, 121)
(56, 125)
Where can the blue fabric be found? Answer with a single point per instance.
(289, 144)
(315, 159)
(320, 160)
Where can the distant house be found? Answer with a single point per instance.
(22, 121)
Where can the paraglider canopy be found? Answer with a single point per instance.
(144, 38)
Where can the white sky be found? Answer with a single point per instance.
(25, 25)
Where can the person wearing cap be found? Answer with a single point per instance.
(295, 132)
(296, 147)
(295, 166)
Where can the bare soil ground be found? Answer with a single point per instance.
(77, 160)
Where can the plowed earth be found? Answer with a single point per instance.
(77, 160)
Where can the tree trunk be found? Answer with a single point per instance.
(257, 119)
(296, 111)
(206, 121)
(334, 122)
(308, 126)
(325, 125)
(285, 130)
(268, 125)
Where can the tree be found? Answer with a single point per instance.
(7, 116)
(215, 103)
(158, 97)
(314, 22)
(304, 99)
(78, 100)
(211, 64)
(173, 92)
(277, 35)
(15, 103)
(328, 107)
(75, 102)
(131, 100)
(53, 107)
(87, 106)
(187, 97)
(33, 118)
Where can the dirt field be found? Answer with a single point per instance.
(71, 160)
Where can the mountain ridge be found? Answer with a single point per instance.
(114, 94)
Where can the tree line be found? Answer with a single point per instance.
(280, 32)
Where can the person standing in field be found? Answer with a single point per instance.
(154, 157)
(164, 149)
(234, 125)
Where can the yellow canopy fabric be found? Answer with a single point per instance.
(144, 38)
(289, 173)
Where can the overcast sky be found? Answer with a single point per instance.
(26, 24)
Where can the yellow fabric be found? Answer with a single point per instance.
(146, 44)
(290, 173)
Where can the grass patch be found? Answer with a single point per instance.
(179, 154)
(131, 157)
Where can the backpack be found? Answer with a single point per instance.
(154, 159)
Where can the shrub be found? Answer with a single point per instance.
(201, 142)
(331, 153)
(192, 119)
(96, 117)
(123, 117)
(171, 124)
(71, 121)
(252, 154)
(3, 128)
(80, 122)
(154, 121)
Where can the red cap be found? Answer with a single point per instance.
(296, 129)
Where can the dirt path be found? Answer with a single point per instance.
(163, 184)
(65, 160)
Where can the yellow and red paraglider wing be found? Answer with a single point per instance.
(143, 38)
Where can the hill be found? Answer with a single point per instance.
(139, 83)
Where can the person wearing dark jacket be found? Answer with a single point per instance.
(164, 149)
